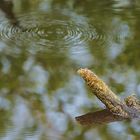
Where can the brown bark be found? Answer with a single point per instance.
(103, 93)
(116, 110)
(99, 117)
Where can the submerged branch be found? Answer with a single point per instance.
(99, 117)
(116, 109)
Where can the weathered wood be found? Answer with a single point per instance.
(133, 106)
(116, 110)
(132, 101)
(103, 93)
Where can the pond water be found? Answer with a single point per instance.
(42, 45)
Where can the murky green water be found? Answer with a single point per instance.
(43, 43)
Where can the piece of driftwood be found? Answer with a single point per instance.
(116, 110)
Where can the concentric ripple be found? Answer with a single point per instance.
(43, 30)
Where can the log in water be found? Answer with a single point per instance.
(116, 109)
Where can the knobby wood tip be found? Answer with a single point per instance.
(83, 71)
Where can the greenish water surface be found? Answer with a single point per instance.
(42, 45)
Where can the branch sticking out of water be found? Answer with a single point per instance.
(116, 109)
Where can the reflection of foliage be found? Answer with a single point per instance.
(4, 121)
(130, 56)
(55, 65)
(59, 66)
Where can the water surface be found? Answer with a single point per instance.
(43, 43)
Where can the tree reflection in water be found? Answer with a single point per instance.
(40, 90)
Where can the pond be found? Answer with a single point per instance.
(42, 45)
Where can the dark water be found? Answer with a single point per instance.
(42, 45)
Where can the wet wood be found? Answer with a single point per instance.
(116, 109)
(99, 117)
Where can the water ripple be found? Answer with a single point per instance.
(43, 30)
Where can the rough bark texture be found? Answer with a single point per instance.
(103, 93)
(116, 110)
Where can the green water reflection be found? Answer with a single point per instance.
(43, 43)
